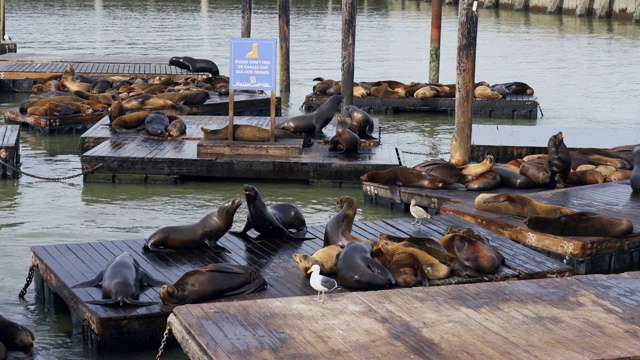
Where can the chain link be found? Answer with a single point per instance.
(164, 341)
(48, 178)
(23, 292)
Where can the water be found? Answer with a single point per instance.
(583, 70)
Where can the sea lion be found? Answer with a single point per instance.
(345, 141)
(558, 160)
(604, 157)
(479, 256)
(358, 270)
(100, 85)
(69, 82)
(520, 205)
(195, 65)
(457, 156)
(404, 176)
(14, 336)
(488, 180)
(104, 98)
(619, 175)
(122, 280)
(274, 220)
(326, 258)
(442, 169)
(581, 224)
(314, 122)
(485, 92)
(3, 351)
(146, 101)
(359, 92)
(211, 282)
(476, 169)
(117, 107)
(425, 92)
(634, 179)
(362, 121)
(25, 105)
(538, 172)
(130, 121)
(518, 88)
(156, 124)
(339, 227)
(251, 133)
(385, 92)
(205, 232)
(512, 178)
(585, 177)
(407, 270)
(185, 98)
(177, 128)
(434, 269)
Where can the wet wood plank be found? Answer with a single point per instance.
(65, 265)
(545, 318)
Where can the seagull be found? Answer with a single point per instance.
(418, 212)
(7, 38)
(321, 283)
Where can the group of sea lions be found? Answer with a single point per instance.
(14, 337)
(392, 89)
(373, 264)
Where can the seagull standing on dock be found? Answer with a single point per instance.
(321, 283)
(418, 213)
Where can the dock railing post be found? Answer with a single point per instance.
(245, 31)
(230, 136)
(283, 21)
(349, 12)
(465, 71)
(434, 55)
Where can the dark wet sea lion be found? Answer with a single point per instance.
(520, 205)
(605, 157)
(635, 173)
(99, 86)
(14, 336)
(25, 105)
(314, 122)
(581, 224)
(117, 107)
(407, 270)
(195, 65)
(205, 232)
(434, 269)
(3, 351)
(479, 256)
(358, 270)
(156, 124)
(326, 258)
(558, 160)
(177, 128)
(518, 88)
(251, 133)
(442, 169)
(537, 171)
(212, 282)
(274, 220)
(404, 176)
(488, 180)
(122, 280)
(339, 227)
(585, 177)
(104, 98)
(186, 98)
(346, 141)
(130, 121)
(513, 179)
(362, 121)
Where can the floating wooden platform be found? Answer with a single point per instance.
(587, 255)
(508, 142)
(582, 317)
(76, 123)
(9, 150)
(513, 106)
(135, 156)
(123, 328)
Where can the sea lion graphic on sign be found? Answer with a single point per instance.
(254, 52)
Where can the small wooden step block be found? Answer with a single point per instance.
(280, 148)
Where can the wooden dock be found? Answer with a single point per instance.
(582, 317)
(133, 157)
(123, 328)
(9, 150)
(68, 124)
(513, 106)
(587, 255)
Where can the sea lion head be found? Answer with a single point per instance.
(304, 261)
(345, 200)
(169, 295)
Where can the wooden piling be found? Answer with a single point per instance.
(349, 11)
(2, 20)
(434, 56)
(283, 25)
(245, 32)
(465, 70)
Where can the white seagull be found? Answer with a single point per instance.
(321, 283)
(418, 212)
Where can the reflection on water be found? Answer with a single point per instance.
(582, 69)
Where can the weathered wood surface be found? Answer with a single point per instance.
(508, 142)
(379, 194)
(9, 150)
(513, 106)
(65, 265)
(610, 199)
(141, 154)
(582, 317)
(54, 124)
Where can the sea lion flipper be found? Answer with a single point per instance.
(500, 198)
(395, 192)
(146, 278)
(90, 283)
(379, 269)
(139, 303)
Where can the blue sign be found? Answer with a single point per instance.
(253, 64)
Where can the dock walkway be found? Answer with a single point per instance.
(59, 267)
(581, 317)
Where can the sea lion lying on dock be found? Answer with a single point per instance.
(251, 133)
(326, 258)
(581, 224)
(358, 270)
(520, 205)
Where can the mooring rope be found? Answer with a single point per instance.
(426, 154)
(32, 270)
(164, 341)
(49, 178)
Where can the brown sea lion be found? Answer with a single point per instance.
(410, 90)
(146, 101)
(442, 169)
(104, 98)
(485, 92)
(581, 224)
(425, 92)
(518, 88)
(619, 175)
(117, 108)
(357, 270)
(404, 176)
(250, 133)
(326, 258)
(58, 109)
(585, 177)
(335, 89)
(205, 232)
(44, 101)
(479, 256)
(130, 121)
(511, 177)
(362, 121)
(434, 269)
(37, 111)
(121, 280)
(345, 141)
(520, 205)
(177, 128)
(339, 227)
(392, 84)
(457, 157)
(605, 157)
(15, 337)
(558, 160)
(488, 180)
(359, 92)
(584, 167)
(476, 169)
(69, 82)
(186, 98)
(385, 92)
(634, 178)
(314, 122)
(407, 270)
(212, 282)
(537, 171)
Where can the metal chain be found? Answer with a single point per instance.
(427, 154)
(23, 292)
(164, 341)
(48, 178)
